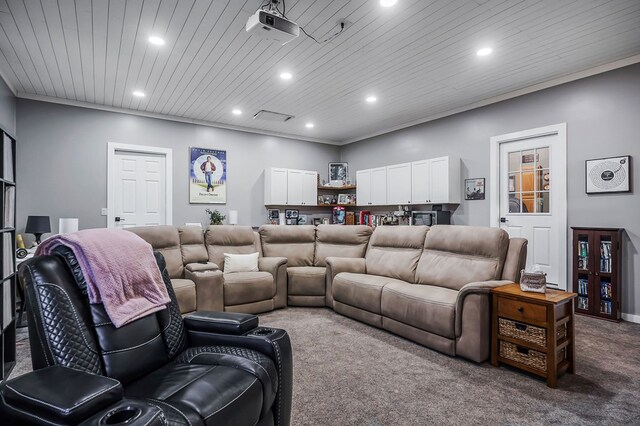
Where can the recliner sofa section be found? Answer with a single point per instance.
(196, 282)
(430, 285)
(306, 247)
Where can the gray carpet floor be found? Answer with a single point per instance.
(348, 373)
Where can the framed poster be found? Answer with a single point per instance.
(474, 189)
(207, 176)
(338, 173)
(608, 175)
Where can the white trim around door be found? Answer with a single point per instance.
(559, 149)
(112, 147)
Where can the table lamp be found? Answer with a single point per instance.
(38, 225)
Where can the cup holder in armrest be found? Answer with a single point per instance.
(121, 416)
(263, 331)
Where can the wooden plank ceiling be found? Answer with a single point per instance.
(417, 57)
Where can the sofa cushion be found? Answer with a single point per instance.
(241, 262)
(166, 240)
(221, 239)
(248, 287)
(425, 307)
(189, 388)
(456, 255)
(306, 280)
(340, 241)
(360, 290)
(394, 251)
(192, 244)
(185, 291)
(295, 242)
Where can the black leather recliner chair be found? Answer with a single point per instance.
(208, 368)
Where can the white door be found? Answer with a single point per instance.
(139, 181)
(399, 184)
(309, 188)
(379, 186)
(363, 188)
(532, 200)
(294, 187)
(420, 182)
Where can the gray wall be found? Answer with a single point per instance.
(62, 162)
(7, 109)
(603, 120)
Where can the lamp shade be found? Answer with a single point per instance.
(67, 225)
(38, 225)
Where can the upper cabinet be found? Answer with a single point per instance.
(290, 187)
(399, 184)
(436, 181)
(431, 181)
(371, 187)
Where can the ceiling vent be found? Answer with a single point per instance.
(272, 116)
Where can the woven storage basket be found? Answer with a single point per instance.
(535, 282)
(527, 332)
(528, 357)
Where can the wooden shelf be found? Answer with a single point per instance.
(337, 188)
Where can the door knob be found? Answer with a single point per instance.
(504, 220)
(520, 309)
(119, 219)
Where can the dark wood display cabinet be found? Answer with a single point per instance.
(8, 252)
(597, 266)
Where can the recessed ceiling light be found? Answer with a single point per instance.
(138, 94)
(309, 125)
(388, 3)
(484, 51)
(156, 40)
(236, 112)
(371, 99)
(286, 76)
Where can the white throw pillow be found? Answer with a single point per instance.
(241, 262)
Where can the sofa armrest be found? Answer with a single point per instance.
(201, 267)
(277, 266)
(34, 396)
(480, 287)
(221, 322)
(209, 289)
(335, 265)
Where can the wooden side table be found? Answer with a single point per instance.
(533, 331)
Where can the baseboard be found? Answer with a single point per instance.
(631, 318)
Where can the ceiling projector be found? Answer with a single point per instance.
(271, 26)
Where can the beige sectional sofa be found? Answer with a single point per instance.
(430, 285)
(306, 247)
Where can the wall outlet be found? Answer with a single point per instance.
(103, 211)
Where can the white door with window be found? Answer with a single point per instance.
(138, 186)
(531, 195)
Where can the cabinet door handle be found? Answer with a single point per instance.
(520, 309)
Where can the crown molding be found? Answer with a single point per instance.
(530, 89)
(118, 110)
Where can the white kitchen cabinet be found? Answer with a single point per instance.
(371, 187)
(363, 187)
(399, 184)
(275, 186)
(436, 181)
(290, 187)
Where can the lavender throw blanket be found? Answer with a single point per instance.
(120, 270)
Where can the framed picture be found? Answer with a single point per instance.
(338, 173)
(291, 214)
(474, 189)
(207, 176)
(607, 175)
(302, 219)
(343, 198)
(317, 221)
(274, 214)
